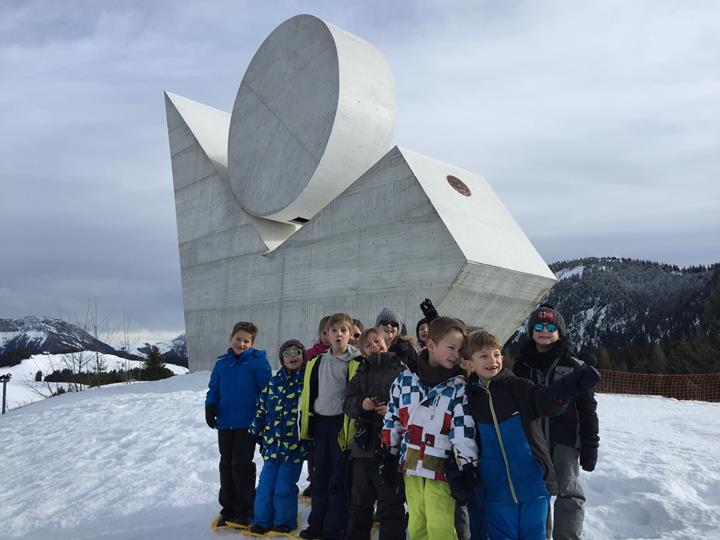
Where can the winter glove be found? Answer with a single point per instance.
(211, 416)
(462, 482)
(588, 458)
(581, 380)
(389, 469)
(428, 310)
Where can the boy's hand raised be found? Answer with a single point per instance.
(428, 310)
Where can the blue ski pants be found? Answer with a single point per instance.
(276, 499)
(524, 520)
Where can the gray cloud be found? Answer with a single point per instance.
(598, 124)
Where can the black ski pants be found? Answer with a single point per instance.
(237, 473)
(367, 487)
(329, 508)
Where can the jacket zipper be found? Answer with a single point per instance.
(502, 445)
(546, 382)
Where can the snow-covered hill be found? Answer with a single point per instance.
(23, 389)
(138, 462)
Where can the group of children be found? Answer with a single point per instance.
(422, 436)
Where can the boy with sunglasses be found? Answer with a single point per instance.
(573, 435)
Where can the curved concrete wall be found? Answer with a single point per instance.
(315, 110)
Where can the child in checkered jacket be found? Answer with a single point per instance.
(428, 424)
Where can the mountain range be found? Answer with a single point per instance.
(617, 302)
(608, 303)
(21, 338)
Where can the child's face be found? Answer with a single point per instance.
(374, 344)
(325, 336)
(544, 339)
(446, 352)
(487, 362)
(390, 328)
(423, 332)
(356, 332)
(292, 358)
(241, 342)
(339, 337)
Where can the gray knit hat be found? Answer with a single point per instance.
(388, 314)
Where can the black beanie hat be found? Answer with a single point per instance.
(292, 343)
(547, 314)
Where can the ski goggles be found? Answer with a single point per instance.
(551, 327)
(287, 353)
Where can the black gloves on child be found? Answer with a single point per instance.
(581, 380)
(462, 482)
(428, 310)
(211, 415)
(389, 469)
(588, 458)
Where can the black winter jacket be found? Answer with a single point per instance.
(373, 379)
(578, 425)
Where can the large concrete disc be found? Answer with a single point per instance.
(315, 110)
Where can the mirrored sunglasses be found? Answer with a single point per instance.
(551, 327)
(291, 352)
(391, 323)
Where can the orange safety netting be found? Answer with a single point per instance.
(694, 386)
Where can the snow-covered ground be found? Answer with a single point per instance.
(22, 388)
(138, 462)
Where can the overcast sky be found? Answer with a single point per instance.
(597, 123)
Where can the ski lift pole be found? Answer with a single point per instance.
(4, 379)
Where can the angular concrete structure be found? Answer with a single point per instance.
(385, 227)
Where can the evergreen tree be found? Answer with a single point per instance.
(153, 367)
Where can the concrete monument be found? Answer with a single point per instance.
(295, 205)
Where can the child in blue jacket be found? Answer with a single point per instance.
(515, 466)
(236, 381)
(275, 426)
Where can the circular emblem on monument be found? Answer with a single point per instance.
(458, 185)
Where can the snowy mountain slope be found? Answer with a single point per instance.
(138, 462)
(173, 352)
(613, 302)
(21, 338)
(23, 390)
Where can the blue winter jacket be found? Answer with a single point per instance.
(235, 384)
(515, 463)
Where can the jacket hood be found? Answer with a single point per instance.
(542, 360)
(245, 355)
(352, 352)
(474, 381)
(434, 375)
